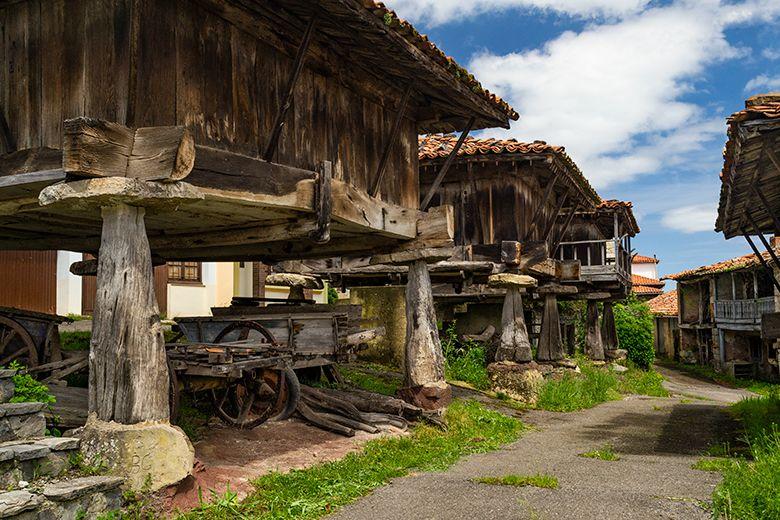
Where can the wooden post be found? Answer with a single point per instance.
(399, 116)
(446, 166)
(593, 344)
(550, 341)
(425, 385)
(128, 372)
(608, 329)
(514, 345)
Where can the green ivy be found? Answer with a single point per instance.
(27, 388)
(634, 323)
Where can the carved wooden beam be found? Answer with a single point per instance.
(761, 258)
(539, 209)
(399, 117)
(324, 203)
(9, 144)
(300, 59)
(446, 166)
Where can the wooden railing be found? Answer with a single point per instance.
(743, 311)
(598, 257)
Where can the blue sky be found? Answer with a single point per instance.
(636, 90)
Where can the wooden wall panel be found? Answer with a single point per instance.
(28, 280)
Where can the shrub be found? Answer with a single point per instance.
(464, 361)
(28, 389)
(634, 323)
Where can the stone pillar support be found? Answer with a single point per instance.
(551, 347)
(514, 343)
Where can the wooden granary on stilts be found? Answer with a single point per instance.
(142, 131)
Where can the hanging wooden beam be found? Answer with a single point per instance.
(300, 59)
(9, 145)
(548, 229)
(761, 258)
(765, 204)
(564, 229)
(539, 209)
(770, 152)
(399, 117)
(763, 239)
(446, 166)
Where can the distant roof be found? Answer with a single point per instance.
(626, 206)
(665, 304)
(421, 41)
(646, 286)
(644, 280)
(733, 264)
(641, 259)
(439, 146)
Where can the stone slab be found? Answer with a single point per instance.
(506, 280)
(74, 488)
(7, 373)
(22, 426)
(14, 502)
(29, 451)
(7, 388)
(59, 443)
(11, 409)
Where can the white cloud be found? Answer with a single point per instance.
(691, 219)
(437, 12)
(771, 54)
(614, 94)
(763, 83)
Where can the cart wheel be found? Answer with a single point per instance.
(16, 344)
(250, 401)
(243, 330)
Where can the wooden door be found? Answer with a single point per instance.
(28, 280)
(89, 289)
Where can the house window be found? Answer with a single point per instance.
(184, 272)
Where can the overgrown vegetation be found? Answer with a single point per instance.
(377, 380)
(538, 480)
(605, 453)
(465, 361)
(27, 389)
(710, 374)
(75, 340)
(634, 323)
(749, 487)
(715, 464)
(321, 489)
(193, 416)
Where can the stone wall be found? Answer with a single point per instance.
(383, 306)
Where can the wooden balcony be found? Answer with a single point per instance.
(601, 260)
(743, 312)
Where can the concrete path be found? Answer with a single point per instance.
(657, 440)
(682, 384)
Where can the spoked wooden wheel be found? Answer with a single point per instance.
(244, 330)
(253, 399)
(16, 344)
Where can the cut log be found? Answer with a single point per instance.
(424, 381)
(165, 153)
(128, 371)
(362, 337)
(514, 344)
(509, 280)
(608, 328)
(435, 228)
(551, 346)
(320, 421)
(377, 403)
(594, 346)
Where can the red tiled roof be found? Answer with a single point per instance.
(438, 146)
(626, 205)
(733, 264)
(421, 41)
(643, 280)
(665, 304)
(641, 259)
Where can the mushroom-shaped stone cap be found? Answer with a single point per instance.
(294, 280)
(507, 280)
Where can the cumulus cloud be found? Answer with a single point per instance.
(762, 83)
(691, 219)
(615, 93)
(771, 53)
(437, 12)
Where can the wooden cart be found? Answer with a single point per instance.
(29, 337)
(246, 356)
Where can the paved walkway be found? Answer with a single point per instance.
(657, 439)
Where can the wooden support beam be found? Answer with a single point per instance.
(594, 345)
(424, 383)
(608, 328)
(551, 346)
(324, 203)
(6, 138)
(281, 114)
(514, 344)
(564, 229)
(446, 166)
(764, 241)
(554, 217)
(760, 258)
(128, 371)
(399, 117)
(767, 208)
(540, 208)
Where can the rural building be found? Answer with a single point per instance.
(645, 283)
(666, 331)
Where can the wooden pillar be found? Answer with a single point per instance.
(425, 385)
(608, 329)
(128, 373)
(550, 341)
(571, 339)
(514, 345)
(593, 343)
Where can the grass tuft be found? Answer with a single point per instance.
(369, 380)
(718, 464)
(538, 480)
(605, 453)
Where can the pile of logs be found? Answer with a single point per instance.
(345, 412)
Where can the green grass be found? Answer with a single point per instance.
(75, 340)
(320, 490)
(710, 374)
(749, 487)
(371, 381)
(193, 417)
(469, 368)
(605, 453)
(538, 480)
(718, 464)
(78, 317)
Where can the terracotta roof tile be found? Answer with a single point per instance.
(764, 106)
(741, 262)
(422, 42)
(641, 259)
(665, 304)
(643, 280)
(626, 206)
(438, 146)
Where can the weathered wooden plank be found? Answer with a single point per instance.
(323, 203)
(96, 148)
(161, 154)
(30, 160)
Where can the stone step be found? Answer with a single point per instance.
(21, 421)
(83, 497)
(32, 458)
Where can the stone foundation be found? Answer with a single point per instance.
(522, 381)
(78, 498)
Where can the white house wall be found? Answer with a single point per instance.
(68, 284)
(194, 299)
(646, 270)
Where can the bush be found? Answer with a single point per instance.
(28, 389)
(634, 323)
(464, 361)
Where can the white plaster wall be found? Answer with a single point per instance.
(68, 284)
(194, 299)
(273, 291)
(244, 285)
(646, 270)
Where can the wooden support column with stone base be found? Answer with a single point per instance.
(594, 344)
(514, 344)
(551, 346)
(608, 329)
